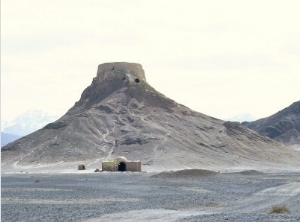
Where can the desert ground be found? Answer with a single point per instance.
(188, 195)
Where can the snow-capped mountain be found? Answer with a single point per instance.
(27, 123)
(242, 118)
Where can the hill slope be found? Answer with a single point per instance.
(283, 126)
(120, 114)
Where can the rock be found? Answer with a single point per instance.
(56, 125)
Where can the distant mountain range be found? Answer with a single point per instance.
(8, 138)
(242, 118)
(283, 126)
(120, 114)
(24, 124)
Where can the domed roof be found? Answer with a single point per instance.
(121, 159)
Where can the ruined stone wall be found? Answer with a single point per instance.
(109, 166)
(134, 166)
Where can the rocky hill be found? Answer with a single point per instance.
(283, 126)
(120, 114)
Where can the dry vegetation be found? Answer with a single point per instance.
(279, 210)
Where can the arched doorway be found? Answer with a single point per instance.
(122, 166)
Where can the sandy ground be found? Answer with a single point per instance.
(92, 165)
(189, 195)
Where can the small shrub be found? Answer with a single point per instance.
(37, 181)
(279, 210)
(213, 204)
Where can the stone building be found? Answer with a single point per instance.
(81, 167)
(121, 164)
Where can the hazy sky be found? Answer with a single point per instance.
(221, 58)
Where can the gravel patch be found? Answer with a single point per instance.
(119, 196)
(188, 173)
(249, 172)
